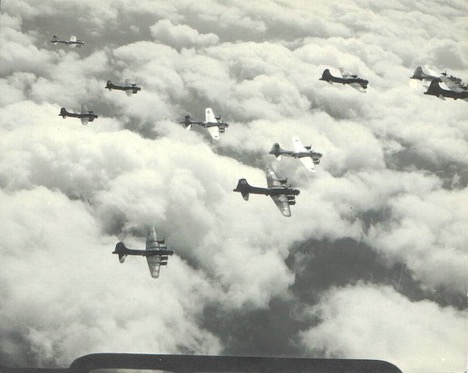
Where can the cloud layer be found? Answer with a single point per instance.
(393, 178)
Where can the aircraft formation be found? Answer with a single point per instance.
(453, 86)
(282, 194)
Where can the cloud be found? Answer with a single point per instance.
(427, 232)
(181, 36)
(353, 319)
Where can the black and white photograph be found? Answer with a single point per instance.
(272, 178)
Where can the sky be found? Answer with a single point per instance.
(372, 263)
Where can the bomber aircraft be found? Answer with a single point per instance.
(436, 90)
(304, 153)
(73, 42)
(282, 194)
(156, 252)
(85, 115)
(347, 78)
(426, 75)
(128, 88)
(213, 124)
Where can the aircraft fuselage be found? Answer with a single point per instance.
(328, 77)
(126, 251)
(314, 155)
(132, 88)
(435, 90)
(64, 113)
(335, 79)
(66, 42)
(269, 191)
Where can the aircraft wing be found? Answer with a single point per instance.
(452, 85)
(154, 265)
(346, 74)
(209, 116)
(154, 261)
(272, 179)
(84, 110)
(152, 239)
(281, 202)
(298, 146)
(358, 87)
(214, 132)
(308, 163)
(127, 83)
(72, 41)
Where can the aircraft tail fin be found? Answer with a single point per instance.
(109, 85)
(244, 188)
(418, 73)
(63, 113)
(434, 89)
(326, 76)
(187, 121)
(54, 40)
(120, 250)
(276, 151)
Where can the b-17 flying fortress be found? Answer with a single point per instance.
(305, 154)
(156, 252)
(454, 86)
(436, 90)
(128, 88)
(347, 78)
(282, 194)
(213, 124)
(85, 115)
(72, 43)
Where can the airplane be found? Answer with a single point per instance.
(453, 83)
(73, 42)
(85, 115)
(347, 78)
(281, 193)
(304, 153)
(128, 88)
(156, 252)
(424, 73)
(436, 90)
(213, 124)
